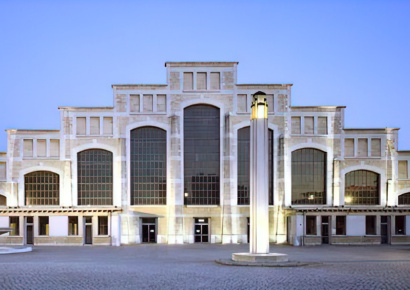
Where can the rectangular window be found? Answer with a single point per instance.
(215, 81)
(341, 225)
(134, 103)
(242, 106)
(201, 81)
(362, 148)
(311, 225)
(107, 126)
(376, 147)
(161, 103)
(400, 225)
(103, 225)
(43, 225)
(147, 103)
(14, 225)
(403, 174)
(349, 147)
(3, 170)
(370, 225)
(73, 225)
(296, 129)
(54, 148)
(94, 126)
(188, 81)
(28, 148)
(81, 128)
(309, 125)
(269, 100)
(322, 125)
(41, 148)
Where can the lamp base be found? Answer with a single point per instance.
(258, 258)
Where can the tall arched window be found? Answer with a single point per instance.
(201, 155)
(244, 166)
(42, 188)
(404, 199)
(148, 166)
(362, 188)
(308, 176)
(95, 177)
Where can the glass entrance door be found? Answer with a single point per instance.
(325, 229)
(201, 229)
(149, 230)
(385, 229)
(88, 230)
(29, 230)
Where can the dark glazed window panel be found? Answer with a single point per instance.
(102, 225)
(311, 225)
(73, 225)
(340, 225)
(201, 155)
(42, 188)
(362, 188)
(370, 225)
(14, 222)
(95, 177)
(43, 225)
(244, 152)
(404, 199)
(3, 200)
(400, 225)
(308, 176)
(148, 166)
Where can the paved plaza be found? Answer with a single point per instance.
(193, 266)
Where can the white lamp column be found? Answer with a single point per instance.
(259, 176)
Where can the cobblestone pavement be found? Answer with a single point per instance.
(193, 266)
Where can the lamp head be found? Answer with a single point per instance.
(259, 106)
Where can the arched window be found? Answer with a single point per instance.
(3, 200)
(201, 155)
(362, 188)
(94, 171)
(308, 176)
(148, 166)
(404, 199)
(42, 188)
(244, 166)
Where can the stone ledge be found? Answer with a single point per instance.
(227, 262)
(260, 258)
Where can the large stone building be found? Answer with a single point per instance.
(169, 163)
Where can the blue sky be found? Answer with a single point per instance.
(68, 53)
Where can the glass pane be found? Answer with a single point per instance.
(308, 176)
(201, 155)
(42, 188)
(148, 166)
(95, 177)
(361, 188)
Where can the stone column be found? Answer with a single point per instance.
(259, 176)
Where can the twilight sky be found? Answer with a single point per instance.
(68, 53)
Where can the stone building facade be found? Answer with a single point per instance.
(169, 163)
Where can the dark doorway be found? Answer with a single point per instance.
(288, 229)
(201, 230)
(149, 230)
(29, 230)
(88, 230)
(385, 229)
(325, 229)
(249, 230)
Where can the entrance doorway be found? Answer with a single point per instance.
(201, 230)
(149, 230)
(88, 230)
(29, 230)
(385, 229)
(249, 229)
(325, 229)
